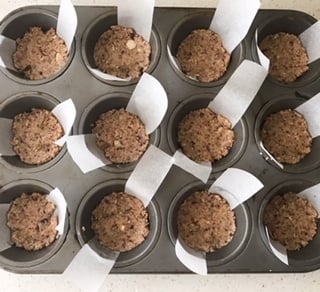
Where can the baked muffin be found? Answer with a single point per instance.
(40, 54)
(121, 135)
(121, 52)
(288, 57)
(201, 56)
(291, 220)
(32, 221)
(285, 135)
(34, 134)
(206, 222)
(205, 136)
(120, 222)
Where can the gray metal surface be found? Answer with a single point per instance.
(249, 251)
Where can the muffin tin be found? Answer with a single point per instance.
(249, 251)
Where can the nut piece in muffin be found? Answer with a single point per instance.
(121, 135)
(34, 135)
(40, 54)
(121, 52)
(288, 58)
(120, 222)
(202, 56)
(206, 222)
(32, 221)
(291, 220)
(205, 136)
(285, 135)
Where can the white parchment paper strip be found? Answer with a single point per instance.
(264, 61)
(310, 40)
(86, 159)
(149, 102)
(7, 48)
(106, 76)
(239, 183)
(136, 14)
(65, 112)
(58, 199)
(193, 260)
(6, 137)
(88, 270)
(278, 249)
(5, 238)
(67, 22)
(310, 109)
(148, 174)
(235, 97)
(232, 20)
(199, 170)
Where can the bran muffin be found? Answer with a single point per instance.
(206, 222)
(120, 222)
(32, 221)
(288, 57)
(34, 134)
(40, 54)
(121, 52)
(202, 56)
(121, 135)
(285, 135)
(291, 220)
(205, 136)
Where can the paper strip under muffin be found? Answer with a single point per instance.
(312, 195)
(234, 185)
(66, 28)
(148, 101)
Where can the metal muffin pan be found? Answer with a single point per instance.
(249, 251)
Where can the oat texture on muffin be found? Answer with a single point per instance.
(121, 135)
(291, 220)
(202, 56)
(285, 135)
(34, 134)
(205, 221)
(32, 221)
(40, 54)
(121, 52)
(288, 58)
(205, 136)
(120, 222)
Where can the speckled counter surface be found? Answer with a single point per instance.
(137, 283)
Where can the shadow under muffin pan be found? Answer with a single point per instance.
(293, 24)
(21, 103)
(201, 101)
(308, 255)
(312, 159)
(92, 35)
(241, 235)
(17, 24)
(83, 224)
(182, 29)
(101, 105)
(17, 257)
(248, 251)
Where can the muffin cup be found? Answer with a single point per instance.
(293, 24)
(85, 234)
(308, 255)
(25, 102)
(101, 105)
(17, 257)
(93, 33)
(234, 247)
(181, 30)
(15, 26)
(311, 160)
(202, 101)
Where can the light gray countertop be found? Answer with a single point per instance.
(10, 282)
